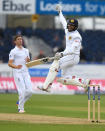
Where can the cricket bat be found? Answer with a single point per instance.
(39, 61)
(43, 60)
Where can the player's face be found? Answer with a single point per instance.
(70, 27)
(19, 41)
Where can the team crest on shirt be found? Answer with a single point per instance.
(70, 37)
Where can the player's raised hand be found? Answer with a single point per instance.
(58, 7)
(18, 66)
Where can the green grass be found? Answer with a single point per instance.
(14, 126)
(51, 105)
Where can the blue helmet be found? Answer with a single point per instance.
(73, 22)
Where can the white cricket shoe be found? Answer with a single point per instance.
(86, 83)
(21, 111)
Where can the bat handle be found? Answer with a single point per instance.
(50, 59)
(45, 60)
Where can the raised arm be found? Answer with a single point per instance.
(61, 17)
(63, 20)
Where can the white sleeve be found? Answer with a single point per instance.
(28, 54)
(63, 20)
(11, 55)
(75, 48)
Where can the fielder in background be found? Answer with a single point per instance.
(67, 59)
(17, 60)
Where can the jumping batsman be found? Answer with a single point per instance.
(17, 60)
(67, 59)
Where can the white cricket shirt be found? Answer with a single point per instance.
(18, 56)
(73, 39)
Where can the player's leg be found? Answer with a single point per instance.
(67, 64)
(68, 81)
(28, 86)
(21, 90)
(51, 75)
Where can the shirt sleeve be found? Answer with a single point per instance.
(63, 20)
(28, 54)
(11, 55)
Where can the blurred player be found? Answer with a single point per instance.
(67, 59)
(17, 59)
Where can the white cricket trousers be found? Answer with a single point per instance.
(67, 63)
(24, 87)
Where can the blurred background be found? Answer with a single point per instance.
(38, 22)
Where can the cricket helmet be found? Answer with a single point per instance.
(73, 22)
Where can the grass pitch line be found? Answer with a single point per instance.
(41, 119)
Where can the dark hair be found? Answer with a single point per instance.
(16, 36)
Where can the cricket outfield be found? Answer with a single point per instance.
(49, 112)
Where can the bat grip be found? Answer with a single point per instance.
(45, 60)
(48, 59)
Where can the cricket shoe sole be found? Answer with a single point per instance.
(41, 88)
(21, 111)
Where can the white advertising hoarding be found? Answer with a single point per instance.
(17, 7)
(91, 71)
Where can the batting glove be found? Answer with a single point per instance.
(58, 7)
(58, 55)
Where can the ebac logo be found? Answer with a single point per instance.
(10, 5)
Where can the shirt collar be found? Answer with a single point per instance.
(18, 48)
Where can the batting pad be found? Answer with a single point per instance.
(70, 82)
(52, 74)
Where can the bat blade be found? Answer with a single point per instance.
(39, 61)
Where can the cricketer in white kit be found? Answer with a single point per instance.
(17, 60)
(67, 59)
